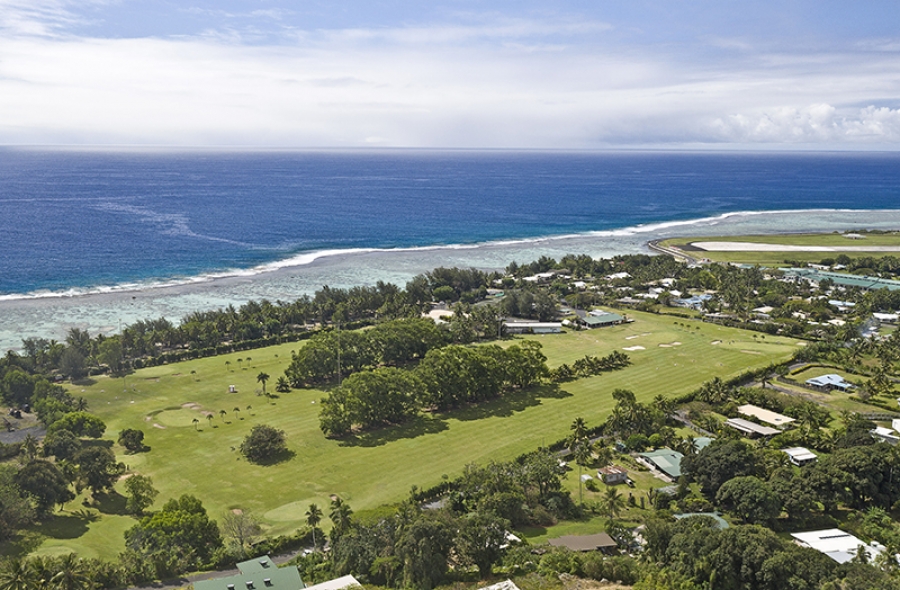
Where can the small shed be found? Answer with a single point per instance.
(800, 456)
(613, 474)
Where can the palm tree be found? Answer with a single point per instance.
(19, 574)
(222, 414)
(73, 574)
(313, 518)
(613, 502)
(227, 365)
(340, 516)
(237, 411)
(262, 378)
(583, 455)
(196, 421)
(209, 418)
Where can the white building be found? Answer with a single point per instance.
(836, 544)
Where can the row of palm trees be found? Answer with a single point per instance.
(68, 572)
(340, 517)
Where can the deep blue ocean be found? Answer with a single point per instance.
(87, 219)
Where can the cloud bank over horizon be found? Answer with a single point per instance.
(263, 74)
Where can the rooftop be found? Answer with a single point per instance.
(767, 416)
(748, 427)
(666, 460)
(584, 542)
(836, 544)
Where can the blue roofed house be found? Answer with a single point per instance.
(829, 382)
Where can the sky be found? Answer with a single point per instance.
(566, 74)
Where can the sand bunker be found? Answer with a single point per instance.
(716, 342)
(759, 247)
(191, 406)
(632, 337)
(670, 344)
(155, 425)
(633, 348)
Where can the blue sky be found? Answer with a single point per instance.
(563, 74)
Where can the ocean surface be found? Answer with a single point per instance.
(94, 238)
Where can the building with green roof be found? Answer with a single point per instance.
(256, 574)
(665, 460)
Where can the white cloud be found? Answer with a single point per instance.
(500, 83)
(819, 123)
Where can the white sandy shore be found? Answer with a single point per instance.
(760, 247)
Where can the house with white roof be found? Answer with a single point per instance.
(836, 544)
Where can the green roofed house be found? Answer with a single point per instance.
(256, 574)
(721, 523)
(599, 318)
(665, 460)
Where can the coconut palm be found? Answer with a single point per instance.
(19, 574)
(613, 503)
(196, 421)
(340, 516)
(262, 378)
(222, 414)
(313, 518)
(72, 574)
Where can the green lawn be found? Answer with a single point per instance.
(771, 259)
(379, 467)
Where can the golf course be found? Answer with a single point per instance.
(194, 422)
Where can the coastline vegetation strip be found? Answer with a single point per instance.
(203, 457)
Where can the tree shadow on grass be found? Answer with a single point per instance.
(70, 526)
(282, 457)
(508, 404)
(413, 429)
(84, 382)
(111, 503)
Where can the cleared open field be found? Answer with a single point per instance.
(669, 357)
(838, 243)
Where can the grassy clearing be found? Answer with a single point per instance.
(380, 467)
(771, 259)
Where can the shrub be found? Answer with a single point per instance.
(264, 443)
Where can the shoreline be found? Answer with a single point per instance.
(51, 316)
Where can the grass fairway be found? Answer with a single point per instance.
(377, 468)
(835, 241)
